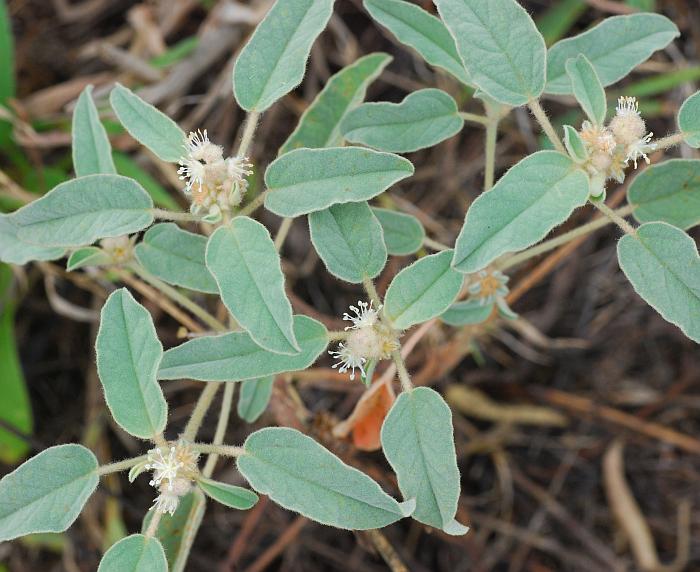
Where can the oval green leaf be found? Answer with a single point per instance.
(574, 144)
(587, 88)
(417, 439)
(614, 47)
(177, 257)
(135, 553)
(273, 61)
(403, 233)
(78, 212)
(349, 240)
(308, 180)
(150, 127)
(423, 119)
(128, 355)
(87, 256)
(423, 290)
(689, 120)
(229, 495)
(92, 153)
(236, 357)
(301, 475)
(16, 251)
(319, 126)
(467, 313)
(533, 197)
(668, 192)
(500, 47)
(254, 397)
(247, 268)
(421, 31)
(47, 493)
(662, 263)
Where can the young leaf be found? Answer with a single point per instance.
(417, 439)
(92, 153)
(135, 553)
(587, 88)
(421, 31)
(247, 268)
(403, 233)
(689, 120)
(229, 495)
(668, 192)
(662, 263)
(273, 61)
(533, 197)
(574, 144)
(423, 119)
(319, 126)
(254, 397)
(349, 240)
(300, 475)
(128, 355)
(47, 492)
(235, 356)
(87, 256)
(614, 47)
(16, 251)
(308, 180)
(467, 313)
(500, 47)
(79, 212)
(150, 127)
(176, 256)
(423, 290)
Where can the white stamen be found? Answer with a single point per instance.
(364, 316)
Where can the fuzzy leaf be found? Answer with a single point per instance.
(246, 266)
(614, 47)
(87, 256)
(587, 88)
(423, 119)
(403, 233)
(273, 61)
(254, 397)
(574, 144)
(301, 475)
(319, 126)
(308, 180)
(128, 355)
(500, 47)
(467, 313)
(92, 153)
(47, 492)
(689, 120)
(423, 290)
(235, 356)
(662, 263)
(349, 240)
(532, 198)
(78, 212)
(16, 251)
(229, 495)
(135, 553)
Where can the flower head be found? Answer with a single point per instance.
(348, 360)
(364, 316)
(119, 248)
(173, 473)
(489, 286)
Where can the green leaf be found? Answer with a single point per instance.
(587, 88)
(129, 168)
(575, 145)
(308, 180)
(614, 47)
(128, 355)
(177, 257)
(467, 313)
(150, 127)
(247, 268)
(532, 198)
(668, 192)
(92, 153)
(235, 356)
(16, 251)
(135, 553)
(423, 290)
(500, 47)
(423, 119)
(229, 495)
(46, 493)
(417, 439)
(689, 120)
(403, 233)
(79, 212)
(662, 263)
(254, 397)
(301, 475)
(87, 256)
(273, 61)
(349, 240)
(176, 532)
(421, 31)
(319, 126)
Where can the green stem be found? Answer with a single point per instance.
(225, 450)
(474, 118)
(372, 291)
(544, 122)
(669, 141)
(615, 217)
(253, 205)
(282, 232)
(434, 244)
(404, 378)
(120, 465)
(153, 525)
(248, 132)
(172, 215)
(200, 410)
(337, 335)
(490, 159)
(221, 426)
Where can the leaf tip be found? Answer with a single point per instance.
(454, 528)
(407, 507)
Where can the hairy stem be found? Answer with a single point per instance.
(120, 465)
(474, 118)
(543, 120)
(200, 410)
(614, 217)
(669, 141)
(337, 335)
(434, 244)
(221, 426)
(153, 525)
(372, 291)
(282, 232)
(253, 205)
(248, 132)
(225, 450)
(172, 215)
(404, 378)
(490, 158)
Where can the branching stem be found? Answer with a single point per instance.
(200, 410)
(543, 120)
(404, 377)
(172, 215)
(614, 217)
(120, 465)
(221, 426)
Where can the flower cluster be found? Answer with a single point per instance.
(369, 340)
(611, 148)
(120, 248)
(214, 184)
(173, 474)
(489, 287)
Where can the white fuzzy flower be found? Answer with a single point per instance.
(489, 286)
(164, 468)
(639, 149)
(173, 474)
(364, 316)
(627, 106)
(166, 502)
(348, 360)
